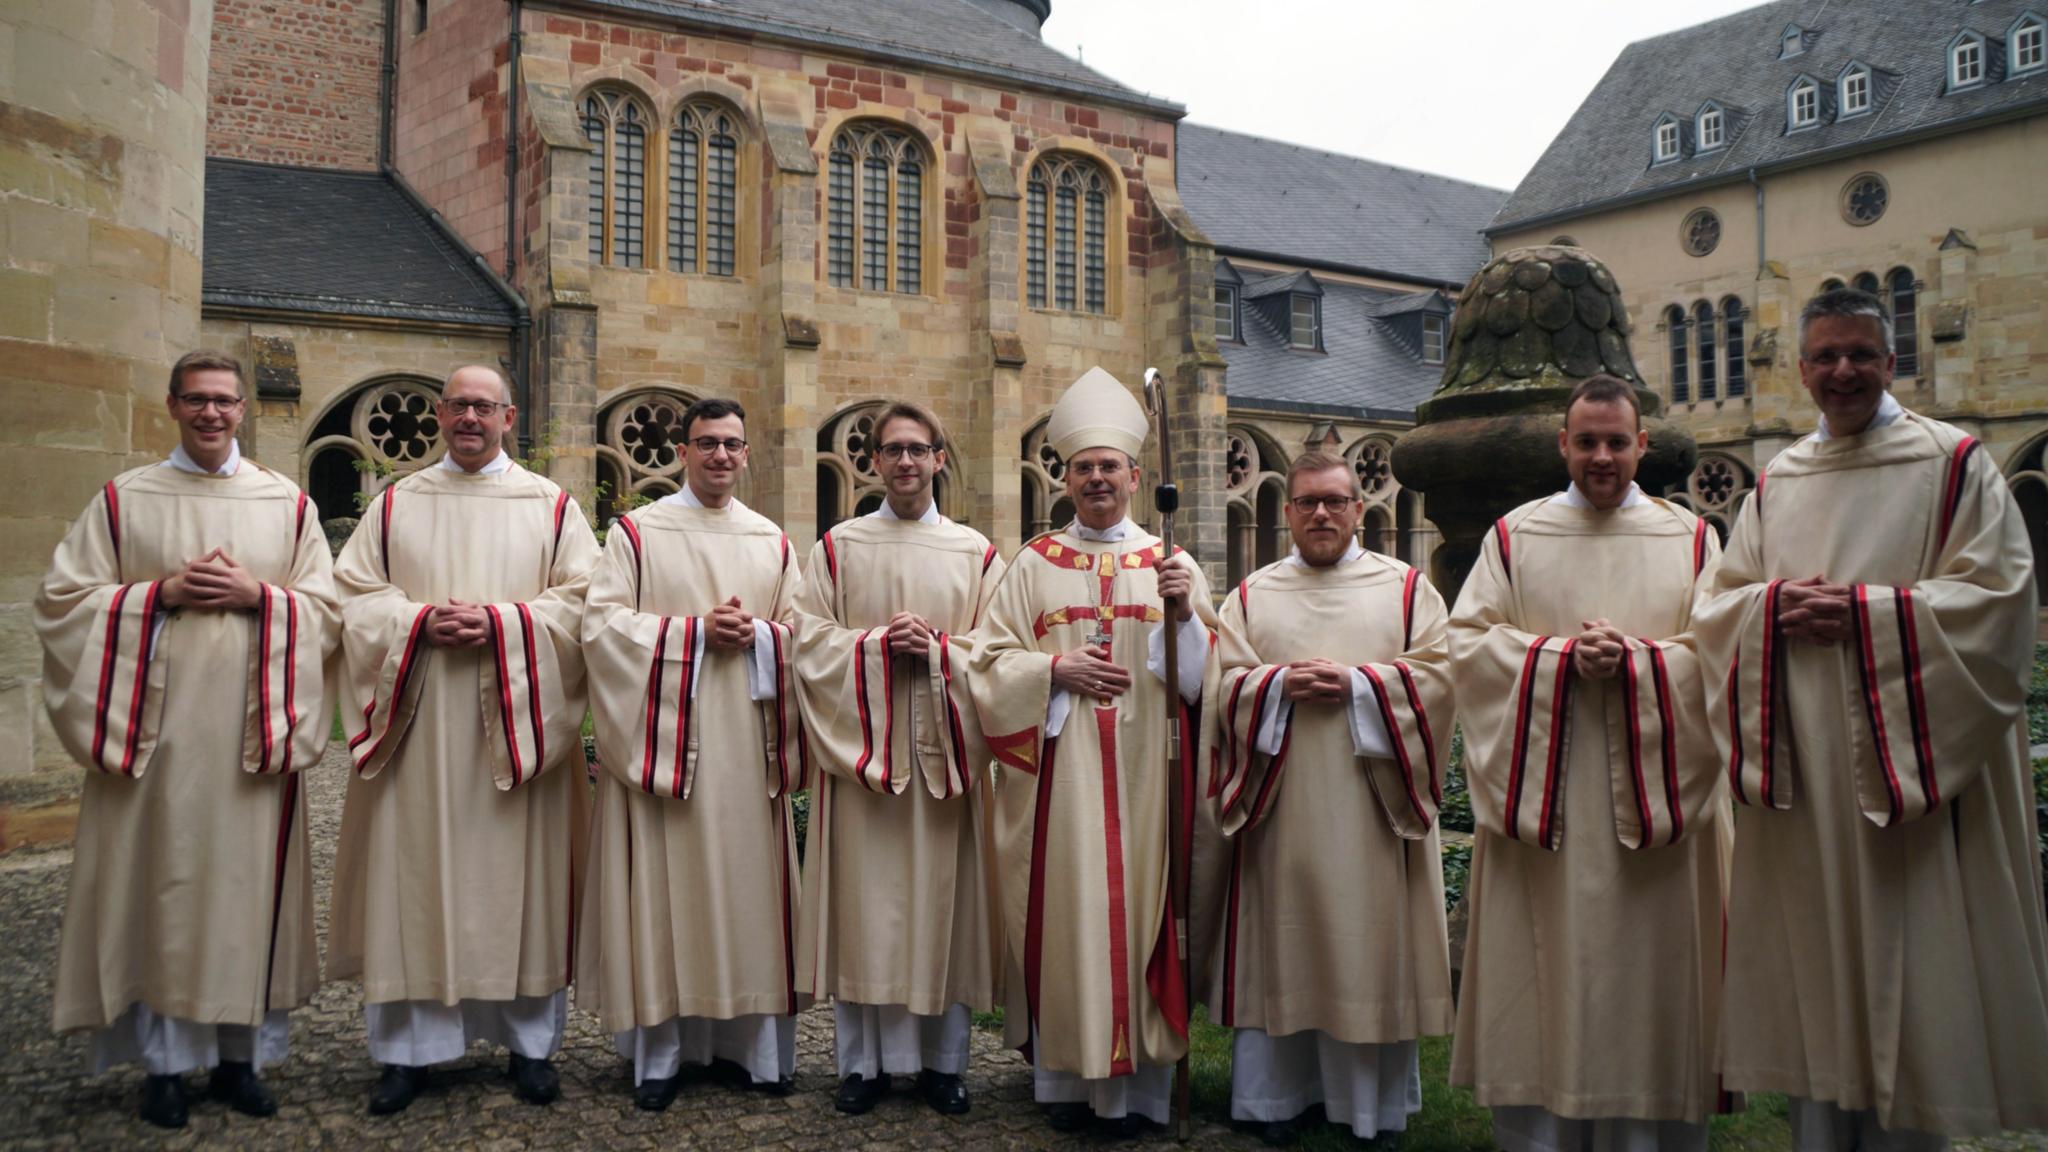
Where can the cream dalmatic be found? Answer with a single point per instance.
(191, 892)
(1885, 943)
(1593, 954)
(455, 876)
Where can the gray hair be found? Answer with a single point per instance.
(1846, 302)
(504, 385)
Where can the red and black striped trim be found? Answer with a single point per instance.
(262, 671)
(1660, 680)
(1633, 710)
(831, 558)
(1436, 789)
(1699, 547)
(1734, 695)
(788, 904)
(654, 701)
(955, 730)
(1560, 715)
(1916, 696)
(1952, 488)
(1772, 655)
(785, 549)
(860, 701)
(299, 527)
(639, 557)
(1500, 535)
(114, 522)
(1409, 584)
(1244, 599)
(286, 819)
(1379, 687)
(108, 657)
(1230, 918)
(781, 711)
(149, 598)
(510, 725)
(1519, 754)
(291, 673)
(1873, 706)
(405, 663)
(384, 527)
(540, 737)
(988, 558)
(684, 705)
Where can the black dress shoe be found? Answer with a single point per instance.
(946, 1092)
(396, 1089)
(1129, 1126)
(730, 1073)
(1072, 1116)
(534, 1081)
(236, 1082)
(655, 1095)
(780, 1086)
(858, 1095)
(163, 1101)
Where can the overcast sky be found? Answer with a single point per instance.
(1415, 82)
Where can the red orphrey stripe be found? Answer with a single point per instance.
(1518, 756)
(1873, 703)
(954, 729)
(781, 711)
(286, 818)
(1766, 729)
(1699, 547)
(108, 654)
(684, 700)
(1952, 496)
(988, 558)
(1113, 854)
(1034, 904)
(639, 565)
(831, 559)
(1230, 933)
(561, 513)
(1436, 788)
(144, 651)
(384, 528)
(540, 746)
(860, 700)
(412, 641)
(888, 719)
(263, 621)
(1237, 780)
(1560, 715)
(114, 523)
(788, 903)
(1500, 533)
(1408, 586)
(510, 725)
(1660, 678)
(1273, 768)
(291, 672)
(654, 704)
(1734, 695)
(1394, 737)
(1631, 690)
(1916, 696)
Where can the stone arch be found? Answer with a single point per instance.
(639, 449)
(849, 483)
(1255, 472)
(1044, 489)
(2027, 472)
(367, 436)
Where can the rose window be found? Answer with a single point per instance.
(1865, 199)
(651, 435)
(855, 444)
(1702, 232)
(400, 424)
(1716, 483)
(1374, 467)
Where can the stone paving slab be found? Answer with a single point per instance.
(48, 1101)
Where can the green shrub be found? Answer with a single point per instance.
(1456, 812)
(2037, 698)
(1457, 859)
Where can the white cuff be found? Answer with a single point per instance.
(1369, 736)
(1274, 720)
(1056, 710)
(761, 662)
(1194, 655)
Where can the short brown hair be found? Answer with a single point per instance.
(1600, 388)
(711, 408)
(206, 360)
(1317, 460)
(906, 410)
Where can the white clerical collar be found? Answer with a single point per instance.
(1110, 535)
(688, 499)
(931, 513)
(1571, 497)
(183, 461)
(1352, 552)
(500, 464)
(1888, 412)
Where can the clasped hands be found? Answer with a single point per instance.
(213, 581)
(1088, 671)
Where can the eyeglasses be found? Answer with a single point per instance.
(1107, 469)
(895, 452)
(709, 445)
(1860, 358)
(1310, 505)
(197, 404)
(484, 409)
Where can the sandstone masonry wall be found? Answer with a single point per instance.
(295, 81)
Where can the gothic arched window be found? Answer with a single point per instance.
(1735, 377)
(1066, 230)
(616, 126)
(703, 189)
(874, 209)
(1674, 325)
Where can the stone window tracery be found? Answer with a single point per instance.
(1864, 199)
(703, 189)
(384, 430)
(639, 450)
(1701, 231)
(874, 209)
(1066, 210)
(616, 126)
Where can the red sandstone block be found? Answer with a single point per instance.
(841, 100)
(1089, 118)
(819, 81)
(483, 85)
(952, 106)
(583, 52)
(840, 71)
(690, 63)
(621, 35)
(765, 57)
(646, 38)
(870, 76)
(869, 92)
(898, 98)
(897, 80)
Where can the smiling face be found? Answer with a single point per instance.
(1602, 442)
(1323, 510)
(1100, 482)
(207, 404)
(715, 473)
(475, 413)
(1846, 369)
(907, 474)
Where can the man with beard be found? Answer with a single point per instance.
(904, 785)
(1592, 962)
(1092, 972)
(1869, 639)
(689, 928)
(184, 621)
(462, 592)
(1331, 723)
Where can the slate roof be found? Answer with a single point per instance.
(951, 34)
(1367, 372)
(1603, 155)
(343, 243)
(1262, 198)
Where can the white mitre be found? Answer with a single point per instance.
(1097, 411)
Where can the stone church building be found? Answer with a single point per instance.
(807, 205)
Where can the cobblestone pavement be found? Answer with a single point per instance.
(48, 1101)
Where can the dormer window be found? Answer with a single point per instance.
(1305, 327)
(1712, 129)
(1805, 104)
(1793, 42)
(1432, 339)
(2029, 44)
(1855, 94)
(1226, 312)
(1966, 62)
(1667, 140)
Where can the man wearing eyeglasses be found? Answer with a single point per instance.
(1593, 953)
(455, 878)
(1330, 724)
(1869, 642)
(688, 935)
(1092, 971)
(185, 620)
(904, 788)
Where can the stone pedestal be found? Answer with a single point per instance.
(1528, 328)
